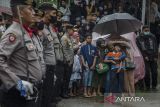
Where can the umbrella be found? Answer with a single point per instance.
(118, 23)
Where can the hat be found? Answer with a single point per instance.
(47, 6)
(14, 3)
(39, 12)
(65, 19)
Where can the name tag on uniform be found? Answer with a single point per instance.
(49, 37)
(30, 46)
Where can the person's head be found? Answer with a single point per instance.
(117, 47)
(65, 20)
(38, 22)
(69, 30)
(23, 9)
(77, 2)
(78, 21)
(88, 38)
(76, 36)
(50, 11)
(109, 5)
(94, 17)
(120, 8)
(146, 30)
(59, 15)
(63, 3)
(110, 47)
(101, 43)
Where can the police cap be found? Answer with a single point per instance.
(39, 12)
(47, 6)
(14, 3)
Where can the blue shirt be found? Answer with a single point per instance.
(89, 52)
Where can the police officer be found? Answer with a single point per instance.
(37, 28)
(67, 43)
(147, 44)
(49, 54)
(20, 69)
(59, 60)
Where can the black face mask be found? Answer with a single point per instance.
(53, 19)
(40, 25)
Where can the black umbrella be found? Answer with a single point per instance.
(118, 23)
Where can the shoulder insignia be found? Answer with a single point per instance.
(12, 38)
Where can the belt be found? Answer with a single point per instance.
(60, 62)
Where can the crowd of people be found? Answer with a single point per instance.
(47, 54)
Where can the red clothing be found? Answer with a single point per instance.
(27, 28)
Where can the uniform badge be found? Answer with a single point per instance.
(30, 46)
(50, 38)
(12, 38)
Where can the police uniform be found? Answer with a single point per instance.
(16, 63)
(19, 62)
(39, 50)
(60, 62)
(67, 44)
(50, 60)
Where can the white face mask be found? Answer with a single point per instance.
(146, 33)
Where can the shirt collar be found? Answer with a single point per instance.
(27, 28)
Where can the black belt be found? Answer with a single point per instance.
(60, 63)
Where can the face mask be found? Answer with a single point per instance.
(53, 19)
(146, 33)
(40, 25)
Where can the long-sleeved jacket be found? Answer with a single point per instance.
(147, 45)
(18, 57)
(68, 50)
(49, 52)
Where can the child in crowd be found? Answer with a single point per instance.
(98, 79)
(75, 79)
(88, 55)
(116, 58)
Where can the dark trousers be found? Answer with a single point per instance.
(59, 82)
(151, 67)
(117, 81)
(66, 78)
(48, 86)
(12, 98)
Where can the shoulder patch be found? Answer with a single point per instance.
(12, 38)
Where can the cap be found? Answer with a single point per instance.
(47, 6)
(65, 19)
(39, 12)
(14, 3)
